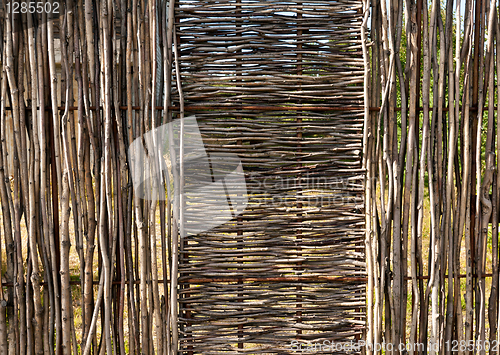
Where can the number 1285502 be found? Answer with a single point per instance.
(471, 345)
(32, 7)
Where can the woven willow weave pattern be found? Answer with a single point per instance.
(281, 85)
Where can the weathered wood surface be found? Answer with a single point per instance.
(241, 287)
(90, 266)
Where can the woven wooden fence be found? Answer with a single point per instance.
(273, 82)
(94, 260)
